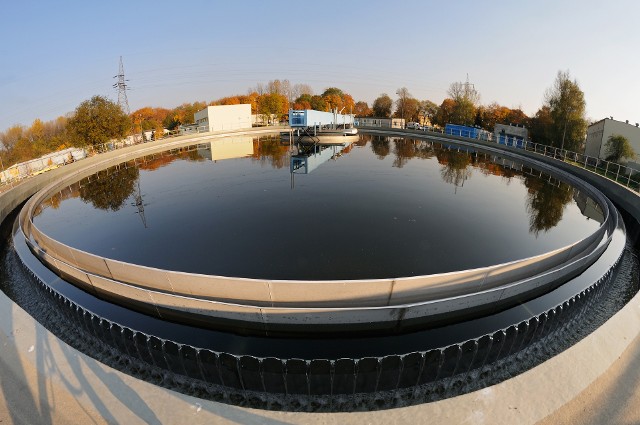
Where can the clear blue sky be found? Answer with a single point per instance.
(57, 54)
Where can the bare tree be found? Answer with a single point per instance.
(465, 98)
(401, 103)
(300, 89)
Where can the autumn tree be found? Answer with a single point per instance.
(401, 103)
(97, 121)
(517, 117)
(427, 112)
(540, 126)
(148, 118)
(567, 108)
(183, 114)
(303, 102)
(335, 98)
(618, 148)
(362, 109)
(382, 106)
(445, 112)
(488, 116)
(407, 107)
(318, 103)
(466, 99)
(273, 104)
(11, 136)
(24, 143)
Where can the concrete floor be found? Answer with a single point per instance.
(44, 381)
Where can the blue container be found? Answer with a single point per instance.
(461, 130)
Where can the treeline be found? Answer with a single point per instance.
(559, 122)
(270, 100)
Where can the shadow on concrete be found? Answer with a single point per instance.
(612, 399)
(19, 397)
(136, 403)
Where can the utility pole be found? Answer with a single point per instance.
(467, 86)
(122, 88)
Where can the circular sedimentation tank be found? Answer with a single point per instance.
(383, 273)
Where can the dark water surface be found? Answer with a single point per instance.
(382, 207)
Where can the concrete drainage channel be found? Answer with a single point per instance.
(341, 384)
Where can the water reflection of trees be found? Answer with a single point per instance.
(272, 151)
(546, 198)
(546, 201)
(455, 166)
(380, 146)
(109, 189)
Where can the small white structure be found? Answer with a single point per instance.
(224, 117)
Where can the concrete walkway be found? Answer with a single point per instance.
(613, 399)
(43, 381)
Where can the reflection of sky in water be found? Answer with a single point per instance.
(367, 213)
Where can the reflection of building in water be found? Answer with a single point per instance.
(315, 155)
(588, 206)
(227, 148)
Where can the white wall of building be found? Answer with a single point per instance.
(509, 130)
(224, 117)
(381, 122)
(598, 133)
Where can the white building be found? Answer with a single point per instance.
(224, 117)
(599, 132)
(505, 133)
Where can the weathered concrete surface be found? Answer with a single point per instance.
(613, 399)
(44, 381)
